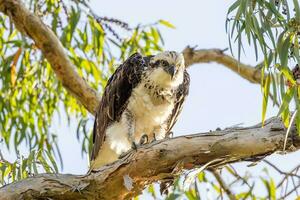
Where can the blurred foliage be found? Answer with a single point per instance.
(31, 96)
(210, 184)
(273, 28)
(26, 166)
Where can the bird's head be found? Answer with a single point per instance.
(166, 68)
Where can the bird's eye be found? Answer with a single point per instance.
(164, 63)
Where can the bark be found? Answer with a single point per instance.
(44, 38)
(159, 161)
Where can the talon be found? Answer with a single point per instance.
(154, 138)
(170, 134)
(144, 139)
(134, 146)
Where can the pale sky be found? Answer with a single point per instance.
(218, 97)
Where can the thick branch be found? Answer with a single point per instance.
(159, 161)
(46, 40)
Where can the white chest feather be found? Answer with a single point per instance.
(148, 116)
(149, 111)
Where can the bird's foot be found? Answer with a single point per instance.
(144, 139)
(154, 138)
(134, 146)
(170, 134)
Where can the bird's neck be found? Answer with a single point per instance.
(159, 94)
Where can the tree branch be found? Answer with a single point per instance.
(248, 72)
(157, 161)
(30, 25)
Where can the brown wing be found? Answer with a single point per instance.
(181, 95)
(115, 97)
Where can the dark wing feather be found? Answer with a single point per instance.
(115, 97)
(181, 94)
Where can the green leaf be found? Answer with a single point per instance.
(271, 188)
(297, 101)
(191, 194)
(271, 7)
(74, 19)
(50, 156)
(166, 23)
(234, 6)
(297, 10)
(288, 74)
(151, 190)
(296, 50)
(284, 51)
(266, 90)
(274, 93)
(286, 100)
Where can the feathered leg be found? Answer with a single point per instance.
(131, 128)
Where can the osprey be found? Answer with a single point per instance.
(142, 99)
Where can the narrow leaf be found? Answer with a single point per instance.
(166, 23)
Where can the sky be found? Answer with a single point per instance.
(218, 97)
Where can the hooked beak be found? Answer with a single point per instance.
(171, 70)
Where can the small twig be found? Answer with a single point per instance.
(292, 171)
(290, 192)
(294, 184)
(223, 185)
(280, 171)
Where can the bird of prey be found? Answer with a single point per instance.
(142, 98)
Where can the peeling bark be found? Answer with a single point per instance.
(159, 161)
